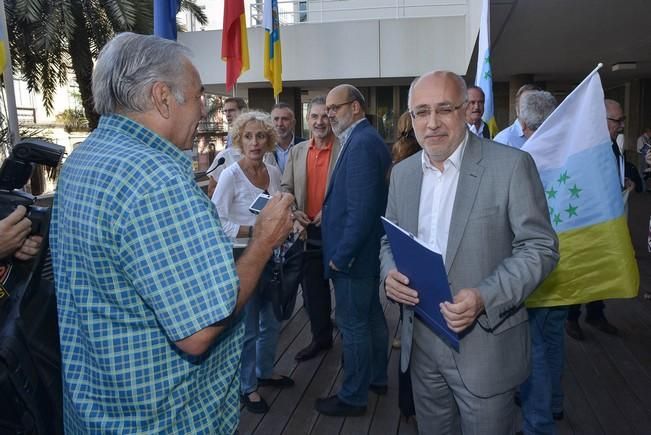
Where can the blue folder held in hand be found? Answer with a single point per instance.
(426, 272)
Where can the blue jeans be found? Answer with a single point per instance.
(365, 336)
(542, 393)
(261, 329)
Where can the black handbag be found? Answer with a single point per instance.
(286, 274)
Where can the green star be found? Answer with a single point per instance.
(487, 75)
(571, 211)
(551, 193)
(487, 59)
(551, 211)
(563, 178)
(557, 219)
(574, 192)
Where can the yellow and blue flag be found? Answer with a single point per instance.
(484, 77)
(573, 152)
(273, 64)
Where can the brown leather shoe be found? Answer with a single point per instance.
(603, 325)
(573, 329)
(311, 351)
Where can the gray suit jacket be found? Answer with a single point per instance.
(295, 175)
(500, 241)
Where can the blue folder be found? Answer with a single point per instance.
(426, 272)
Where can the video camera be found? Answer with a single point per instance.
(16, 172)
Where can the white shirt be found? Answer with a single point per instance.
(235, 193)
(232, 155)
(512, 135)
(437, 199)
(477, 131)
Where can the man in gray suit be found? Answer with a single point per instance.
(307, 174)
(482, 205)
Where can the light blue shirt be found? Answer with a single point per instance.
(512, 135)
(281, 154)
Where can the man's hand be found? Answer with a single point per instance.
(275, 221)
(462, 313)
(629, 185)
(317, 219)
(302, 218)
(396, 288)
(333, 266)
(30, 248)
(14, 229)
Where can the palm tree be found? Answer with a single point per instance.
(49, 37)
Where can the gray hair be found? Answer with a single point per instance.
(535, 107)
(316, 101)
(129, 65)
(461, 84)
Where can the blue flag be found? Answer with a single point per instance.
(165, 18)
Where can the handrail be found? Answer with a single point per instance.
(320, 11)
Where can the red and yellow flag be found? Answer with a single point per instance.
(235, 46)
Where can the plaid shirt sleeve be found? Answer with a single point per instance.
(179, 260)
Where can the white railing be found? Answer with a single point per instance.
(322, 11)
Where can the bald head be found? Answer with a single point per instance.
(437, 102)
(345, 105)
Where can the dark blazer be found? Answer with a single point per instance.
(486, 132)
(354, 202)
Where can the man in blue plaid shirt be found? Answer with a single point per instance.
(147, 289)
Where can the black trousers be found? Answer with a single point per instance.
(316, 289)
(594, 310)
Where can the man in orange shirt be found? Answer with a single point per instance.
(306, 175)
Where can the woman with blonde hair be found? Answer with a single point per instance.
(239, 185)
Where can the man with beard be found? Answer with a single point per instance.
(283, 118)
(354, 202)
(474, 112)
(306, 176)
(482, 206)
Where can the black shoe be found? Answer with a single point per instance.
(334, 407)
(603, 325)
(312, 350)
(558, 415)
(258, 407)
(573, 329)
(282, 382)
(380, 390)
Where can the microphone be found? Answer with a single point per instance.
(200, 175)
(220, 162)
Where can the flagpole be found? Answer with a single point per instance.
(597, 68)
(12, 113)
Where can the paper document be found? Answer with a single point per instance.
(426, 272)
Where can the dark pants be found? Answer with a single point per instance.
(594, 311)
(316, 289)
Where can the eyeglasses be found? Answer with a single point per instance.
(425, 112)
(336, 107)
(621, 120)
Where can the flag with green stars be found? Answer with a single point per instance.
(484, 77)
(573, 152)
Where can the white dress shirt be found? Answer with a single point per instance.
(477, 131)
(439, 188)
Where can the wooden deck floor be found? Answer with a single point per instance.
(607, 379)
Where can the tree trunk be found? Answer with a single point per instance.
(82, 64)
